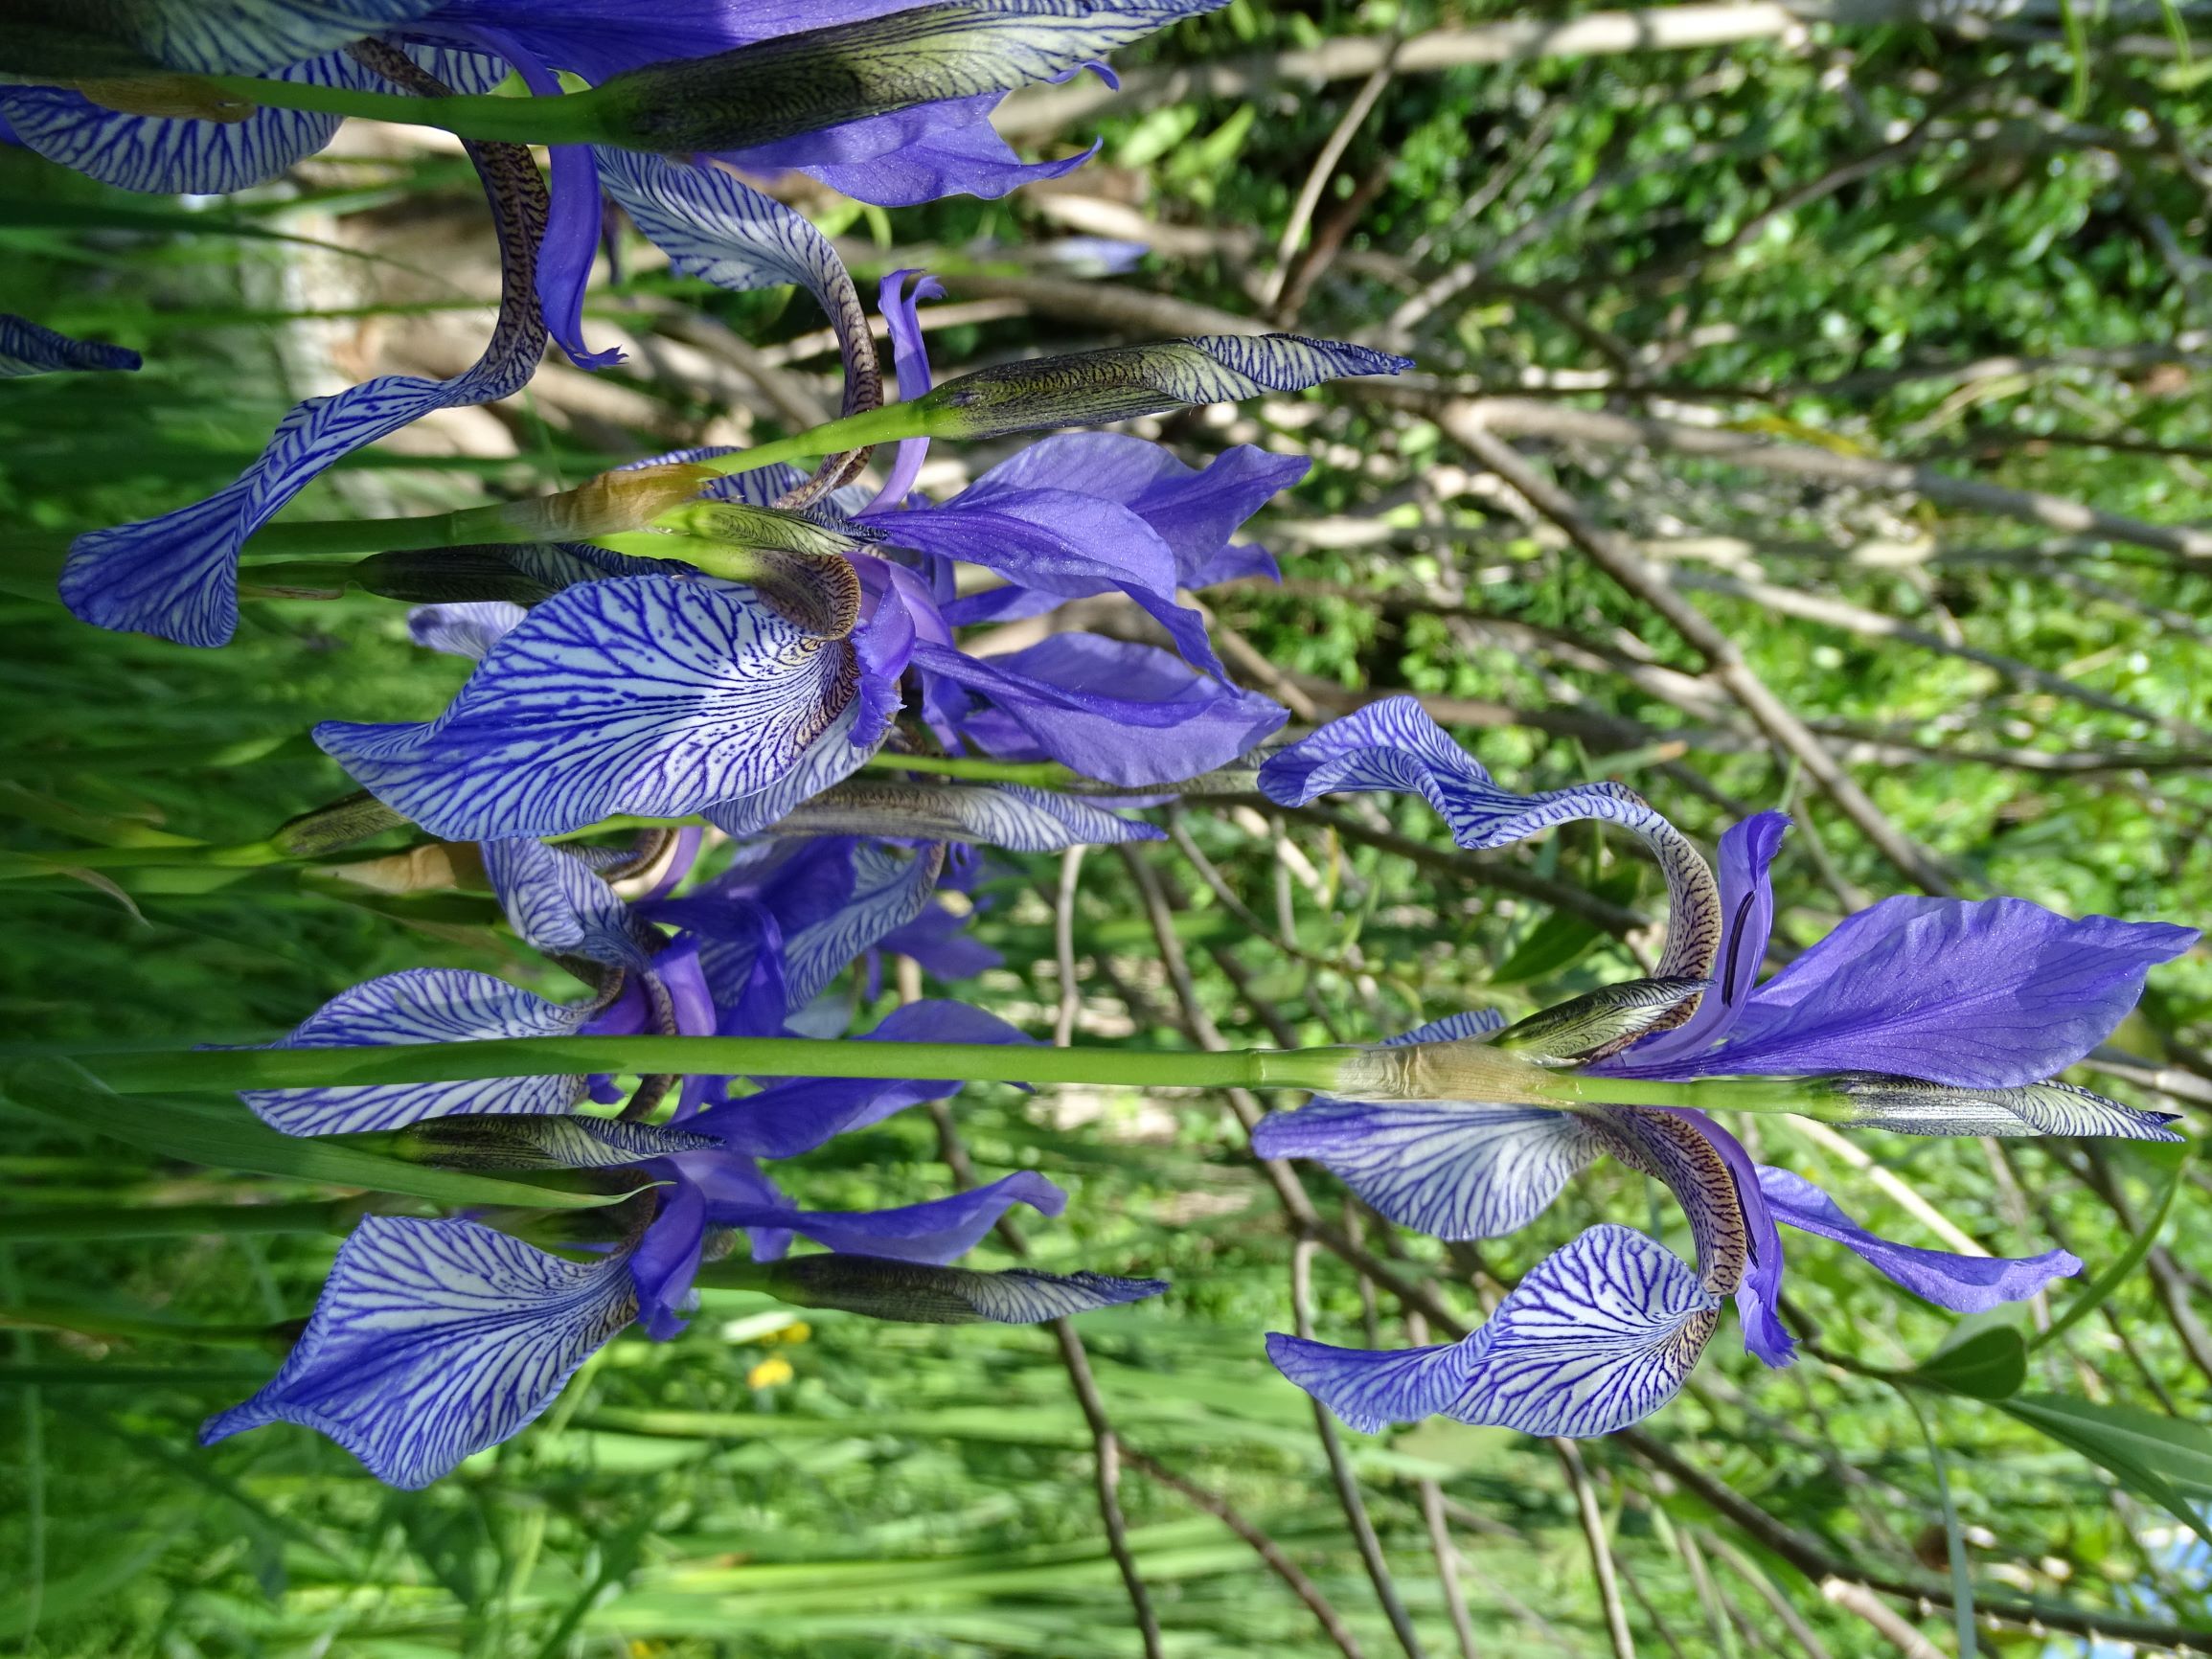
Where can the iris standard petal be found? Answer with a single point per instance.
(1962, 1283)
(1125, 714)
(1984, 994)
(948, 148)
(420, 1004)
(1747, 855)
(1393, 744)
(1193, 510)
(652, 696)
(433, 1340)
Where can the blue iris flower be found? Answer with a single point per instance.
(659, 692)
(174, 575)
(435, 1339)
(1943, 1016)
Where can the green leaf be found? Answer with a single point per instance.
(2139, 1449)
(2095, 1293)
(1560, 939)
(229, 1137)
(1991, 1364)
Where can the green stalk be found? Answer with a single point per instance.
(144, 1073)
(107, 1220)
(1427, 1072)
(573, 118)
(1039, 774)
(524, 521)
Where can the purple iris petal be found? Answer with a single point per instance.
(910, 352)
(572, 225)
(1747, 852)
(1121, 713)
(940, 941)
(1758, 1298)
(433, 1340)
(787, 1119)
(667, 1258)
(1599, 1335)
(1194, 511)
(467, 629)
(915, 155)
(1989, 993)
(1962, 1283)
(1450, 1168)
(937, 1231)
(1064, 542)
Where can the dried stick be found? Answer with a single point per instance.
(1723, 658)
(1340, 1467)
(1269, 1550)
(1601, 1547)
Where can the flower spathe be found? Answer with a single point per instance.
(1935, 1015)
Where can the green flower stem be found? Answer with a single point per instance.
(523, 521)
(1426, 1072)
(573, 118)
(107, 1322)
(709, 1056)
(1039, 774)
(35, 866)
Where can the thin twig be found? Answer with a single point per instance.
(1601, 1547)
(1267, 1550)
(1340, 1467)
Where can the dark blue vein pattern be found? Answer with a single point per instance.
(176, 577)
(832, 758)
(1915, 1107)
(890, 888)
(1227, 368)
(1394, 746)
(470, 628)
(1450, 1168)
(714, 227)
(250, 37)
(434, 1340)
(27, 348)
(556, 903)
(164, 156)
(1599, 1335)
(420, 1004)
(1009, 815)
(1372, 1388)
(651, 696)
